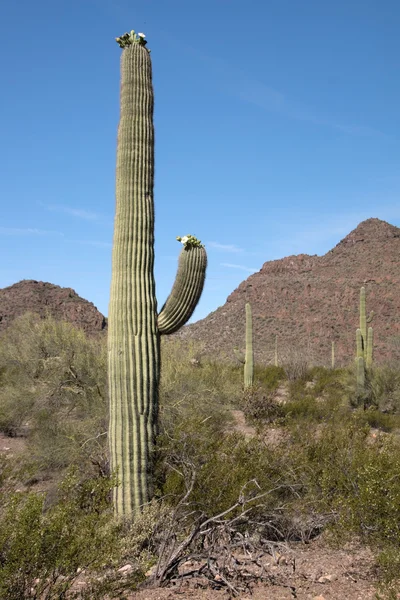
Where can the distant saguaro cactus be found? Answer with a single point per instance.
(360, 374)
(134, 328)
(247, 360)
(364, 342)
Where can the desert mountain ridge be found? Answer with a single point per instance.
(306, 301)
(44, 299)
(310, 301)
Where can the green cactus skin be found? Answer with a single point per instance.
(363, 318)
(370, 346)
(133, 332)
(333, 355)
(359, 344)
(186, 290)
(364, 338)
(249, 359)
(360, 374)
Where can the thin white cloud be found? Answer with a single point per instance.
(224, 247)
(80, 213)
(296, 112)
(236, 82)
(241, 267)
(27, 231)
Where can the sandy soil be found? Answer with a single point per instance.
(306, 572)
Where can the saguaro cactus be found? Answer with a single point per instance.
(247, 359)
(370, 345)
(360, 365)
(364, 342)
(134, 328)
(366, 335)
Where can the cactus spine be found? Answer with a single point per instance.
(134, 328)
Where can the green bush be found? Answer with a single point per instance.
(261, 407)
(269, 377)
(384, 382)
(54, 391)
(186, 373)
(224, 468)
(354, 477)
(41, 550)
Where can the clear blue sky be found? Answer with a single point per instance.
(277, 132)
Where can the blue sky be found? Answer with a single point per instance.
(277, 132)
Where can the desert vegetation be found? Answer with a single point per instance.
(331, 467)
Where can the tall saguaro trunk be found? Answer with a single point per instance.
(134, 328)
(134, 356)
(248, 364)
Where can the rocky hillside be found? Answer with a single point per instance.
(307, 301)
(48, 299)
(310, 301)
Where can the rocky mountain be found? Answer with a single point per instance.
(307, 301)
(48, 299)
(310, 301)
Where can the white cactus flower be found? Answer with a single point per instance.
(141, 35)
(185, 239)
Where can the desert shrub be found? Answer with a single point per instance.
(16, 407)
(261, 407)
(304, 408)
(327, 381)
(376, 419)
(316, 400)
(142, 537)
(222, 471)
(296, 362)
(195, 444)
(41, 550)
(54, 391)
(194, 400)
(185, 373)
(353, 477)
(269, 377)
(384, 383)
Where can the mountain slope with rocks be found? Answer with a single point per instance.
(306, 301)
(45, 299)
(310, 301)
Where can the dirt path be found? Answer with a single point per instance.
(304, 572)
